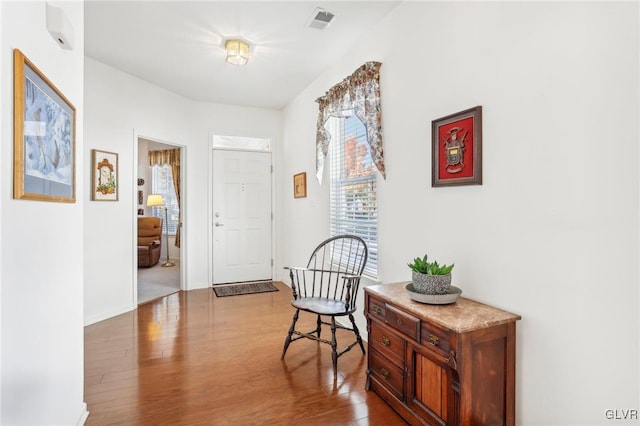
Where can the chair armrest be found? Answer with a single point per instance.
(294, 274)
(295, 268)
(153, 243)
(299, 269)
(351, 277)
(301, 276)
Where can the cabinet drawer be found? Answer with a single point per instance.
(436, 338)
(376, 308)
(390, 375)
(387, 343)
(402, 322)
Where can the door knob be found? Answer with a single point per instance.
(219, 224)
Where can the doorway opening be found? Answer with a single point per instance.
(159, 219)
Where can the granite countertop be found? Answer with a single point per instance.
(463, 316)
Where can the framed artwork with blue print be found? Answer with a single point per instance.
(44, 136)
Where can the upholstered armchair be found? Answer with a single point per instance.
(149, 241)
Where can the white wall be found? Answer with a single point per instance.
(552, 234)
(41, 251)
(119, 109)
(2, 160)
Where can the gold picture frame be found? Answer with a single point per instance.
(44, 136)
(104, 183)
(300, 185)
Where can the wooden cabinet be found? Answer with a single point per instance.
(441, 364)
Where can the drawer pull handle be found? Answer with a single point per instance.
(399, 321)
(385, 341)
(434, 340)
(376, 310)
(384, 373)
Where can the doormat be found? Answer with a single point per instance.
(245, 288)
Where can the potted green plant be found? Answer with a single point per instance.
(430, 277)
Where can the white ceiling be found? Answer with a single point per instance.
(178, 45)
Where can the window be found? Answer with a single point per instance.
(162, 183)
(242, 142)
(353, 177)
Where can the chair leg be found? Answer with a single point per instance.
(291, 330)
(334, 348)
(357, 332)
(318, 326)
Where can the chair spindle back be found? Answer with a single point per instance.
(329, 263)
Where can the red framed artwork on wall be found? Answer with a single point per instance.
(456, 141)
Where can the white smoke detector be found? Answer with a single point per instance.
(320, 19)
(60, 27)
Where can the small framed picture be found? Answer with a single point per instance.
(104, 186)
(456, 143)
(300, 185)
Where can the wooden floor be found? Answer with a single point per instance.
(192, 358)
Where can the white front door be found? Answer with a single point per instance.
(241, 216)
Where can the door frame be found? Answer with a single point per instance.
(210, 218)
(183, 211)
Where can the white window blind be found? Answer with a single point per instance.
(162, 183)
(353, 177)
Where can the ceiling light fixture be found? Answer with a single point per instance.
(237, 51)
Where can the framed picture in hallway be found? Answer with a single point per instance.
(104, 185)
(44, 136)
(300, 185)
(456, 144)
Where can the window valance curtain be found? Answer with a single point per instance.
(359, 92)
(170, 157)
(166, 156)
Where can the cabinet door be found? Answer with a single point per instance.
(430, 392)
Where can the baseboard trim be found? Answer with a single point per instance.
(197, 286)
(84, 414)
(106, 315)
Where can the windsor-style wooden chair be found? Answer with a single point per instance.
(327, 287)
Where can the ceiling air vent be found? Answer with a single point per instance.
(320, 19)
